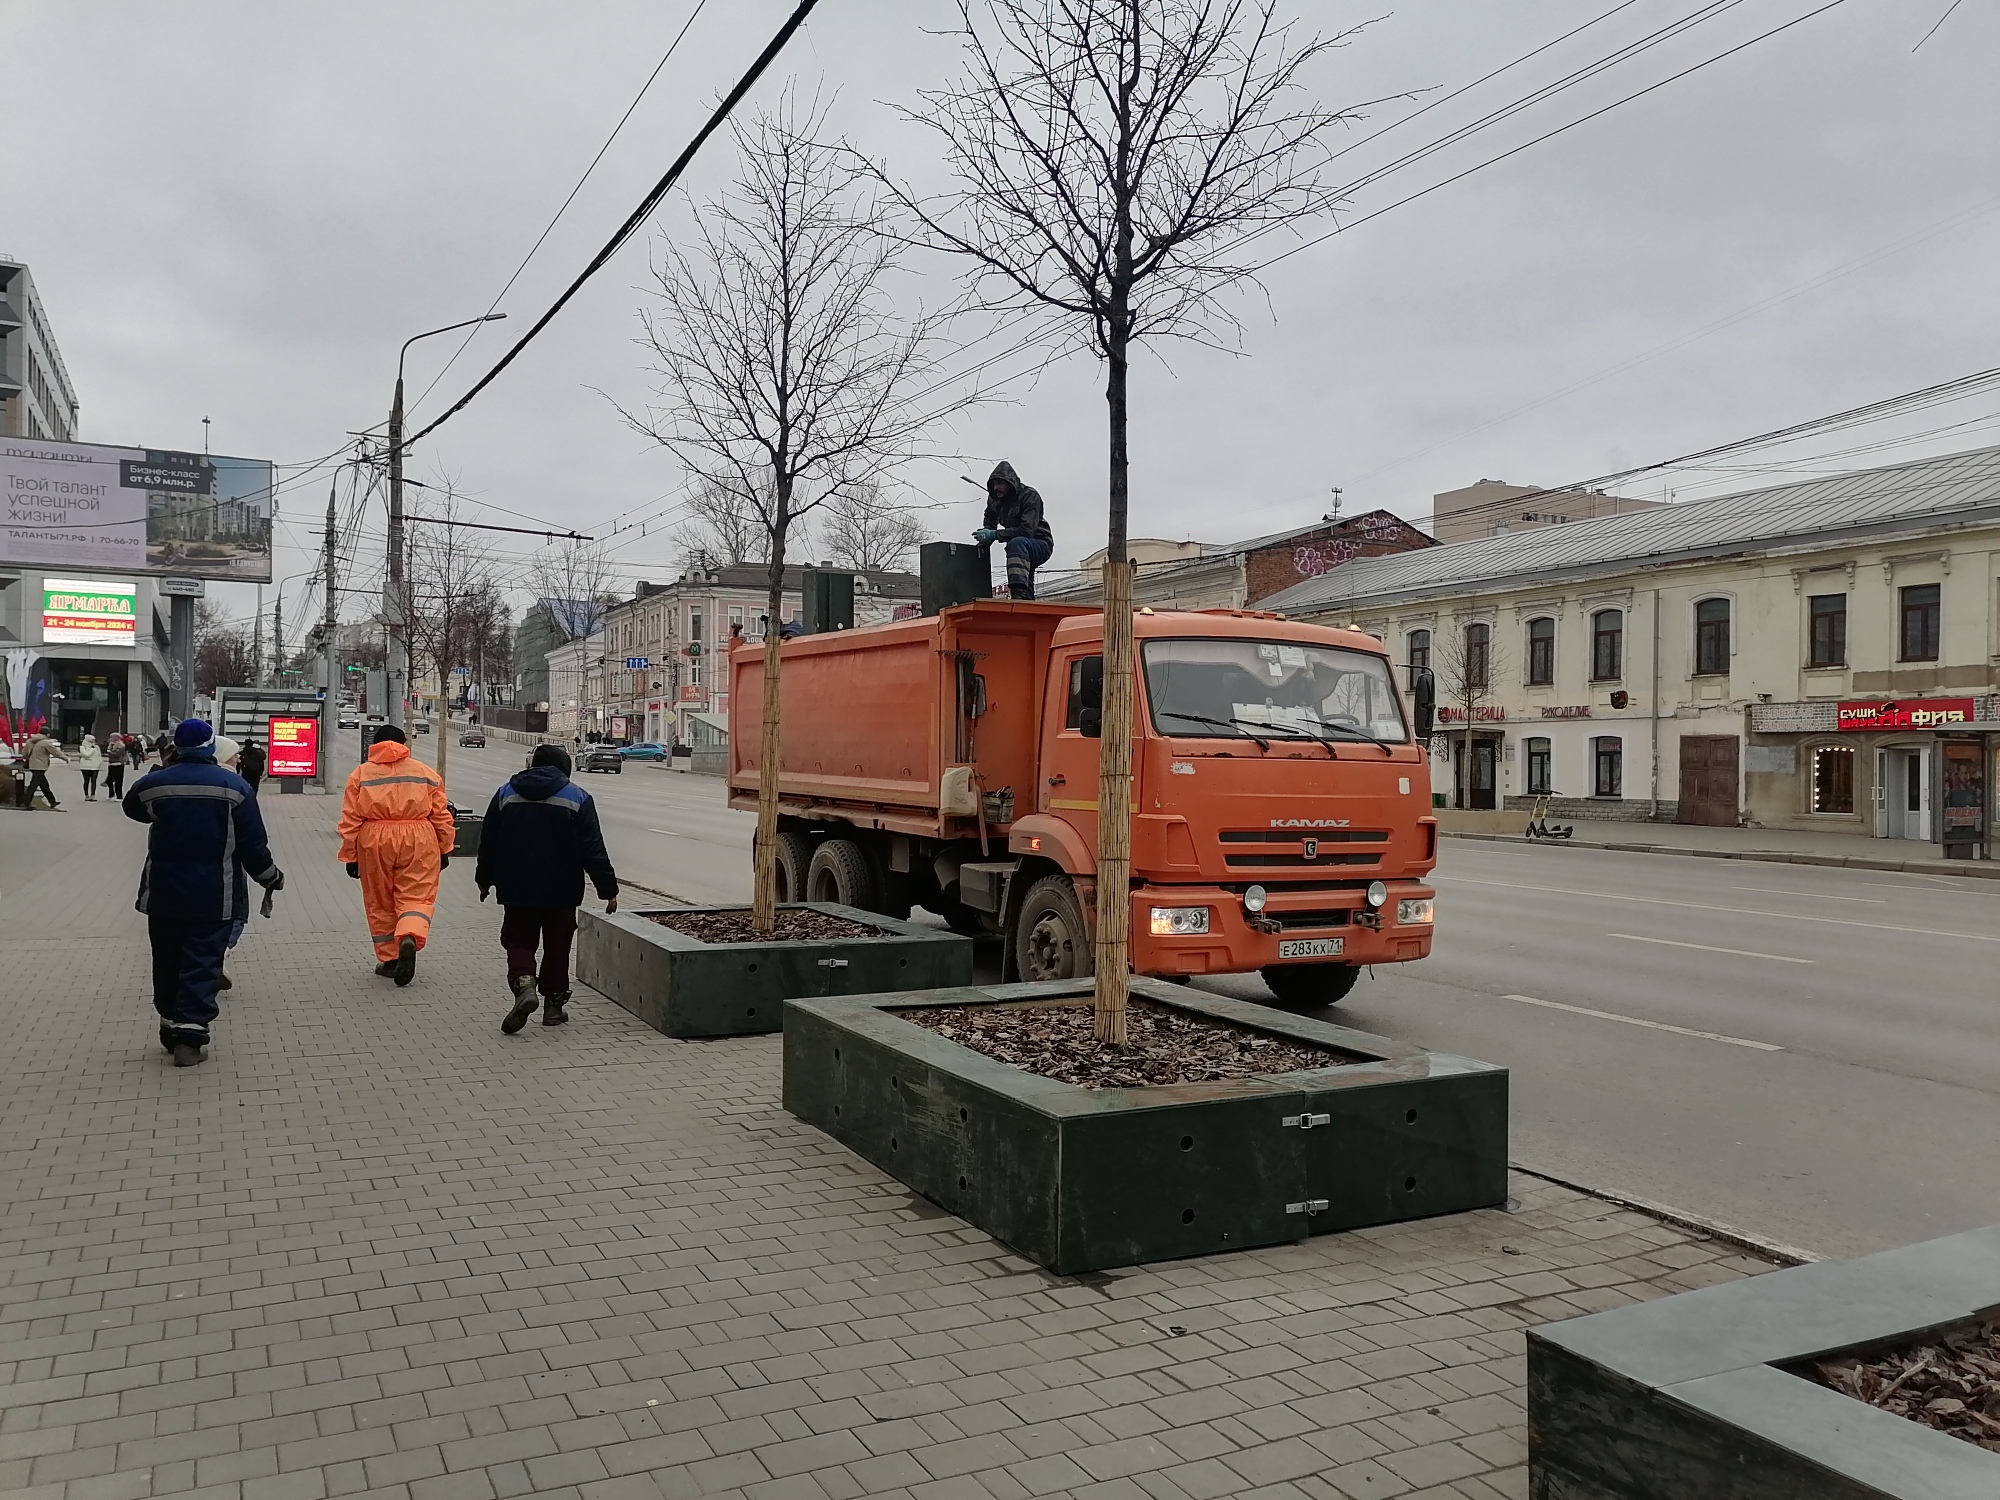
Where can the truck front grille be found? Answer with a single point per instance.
(1285, 848)
(1295, 921)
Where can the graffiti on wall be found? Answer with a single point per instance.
(1314, 558)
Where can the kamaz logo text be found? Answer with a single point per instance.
(1309, 822)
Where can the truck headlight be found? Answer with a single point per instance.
(1178, 921)
(1254, 899)
(1378, 893)
(1416, 912)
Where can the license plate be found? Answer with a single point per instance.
(1311, 947)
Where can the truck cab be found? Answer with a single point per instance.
(1282, 812)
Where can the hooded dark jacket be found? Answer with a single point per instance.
(541, 837)
(1019, 512)
(207, 834)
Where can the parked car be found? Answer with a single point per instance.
(602, 758)
(373, 720)
(473, 737)
(644, 750)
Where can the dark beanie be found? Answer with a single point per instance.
(390, 733)
(551, 755)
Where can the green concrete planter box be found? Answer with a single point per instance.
(1079, 1179)
(1685, 1397)
(684, 987)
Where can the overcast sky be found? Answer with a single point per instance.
(239, 211)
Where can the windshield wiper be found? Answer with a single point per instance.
(1247, 724)
(1360, 734)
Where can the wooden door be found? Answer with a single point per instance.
(1708, 780)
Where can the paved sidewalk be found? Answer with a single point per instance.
(374, 1247)
(1765, 845)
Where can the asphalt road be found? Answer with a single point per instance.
(1809, 1054)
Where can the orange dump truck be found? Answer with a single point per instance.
(1281, 815)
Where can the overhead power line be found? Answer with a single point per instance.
(638, 216)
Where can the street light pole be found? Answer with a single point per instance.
(394, 605)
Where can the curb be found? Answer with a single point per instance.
(1964, 869)
(1715, 1229)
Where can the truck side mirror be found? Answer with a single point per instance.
(1090, 723)
(1423, 690)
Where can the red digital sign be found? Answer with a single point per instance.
(1906, 713)
(294, 749)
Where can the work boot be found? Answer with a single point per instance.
(187, 1054)
(405, 967)
(386, 968)
(553, 1013)
(525, 1001)
(166, 1041)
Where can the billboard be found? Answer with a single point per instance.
(1905, 713)
(294, 747)
(88, 612)
(135, 510)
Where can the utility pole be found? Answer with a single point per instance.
(329, 616)
(257, 641)
(278, 640)
(398, 663)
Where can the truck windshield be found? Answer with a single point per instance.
(1223, 688)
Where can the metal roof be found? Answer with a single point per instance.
(1901, 497)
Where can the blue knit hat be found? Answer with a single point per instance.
(194, 734)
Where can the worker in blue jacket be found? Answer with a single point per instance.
(206, 837)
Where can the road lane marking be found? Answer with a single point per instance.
(1741, 911)
(672, 835)
(1606, 1015)
(1633, 937)
(1771, 890)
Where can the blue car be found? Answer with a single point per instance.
(644, 750)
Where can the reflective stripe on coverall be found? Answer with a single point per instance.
(395, 823)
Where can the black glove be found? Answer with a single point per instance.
(276, 882)
(354, 871)
(444, 861)
(485, 891)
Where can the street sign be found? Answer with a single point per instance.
(190, 588)
(638, 663)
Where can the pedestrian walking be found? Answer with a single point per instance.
(90, 761)
(42, 752)
(540, 838)
(252, 769)
(396, 833)
(116, 753)
(206, 837)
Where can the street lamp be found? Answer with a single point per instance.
(399, 638)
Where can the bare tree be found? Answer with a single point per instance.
(1114, 157)
(720, 530)
(786, 378)
(223, 654)
(576, 575)
(1468, 663)
(865, 532)
(450, 583)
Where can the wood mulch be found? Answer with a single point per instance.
(1164, 1045)
(794, 926)
(1951, 1384)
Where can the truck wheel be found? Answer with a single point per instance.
(794, 854)
(1051, 941)
(841, 872)
(1303, 986)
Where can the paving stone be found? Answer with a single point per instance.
(597, 1264)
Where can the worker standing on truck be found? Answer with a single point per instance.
(1014, 519)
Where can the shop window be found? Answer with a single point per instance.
(1829, 630)
(1607, 645)
(1539, 761)
(1711, 637)
(1607, 759)
(1541, 652)
(1921, 609)
(1478, 657)
(1833, 779)
(1420, 650)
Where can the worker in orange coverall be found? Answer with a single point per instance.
(396, 833)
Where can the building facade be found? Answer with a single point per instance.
(1234, 575)
(1493, 507)
(1817, 655)
(81, 655)
(36, 397)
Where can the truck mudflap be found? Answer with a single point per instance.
(1295, 927)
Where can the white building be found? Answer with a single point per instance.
(36, 398)
(1813, 655)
